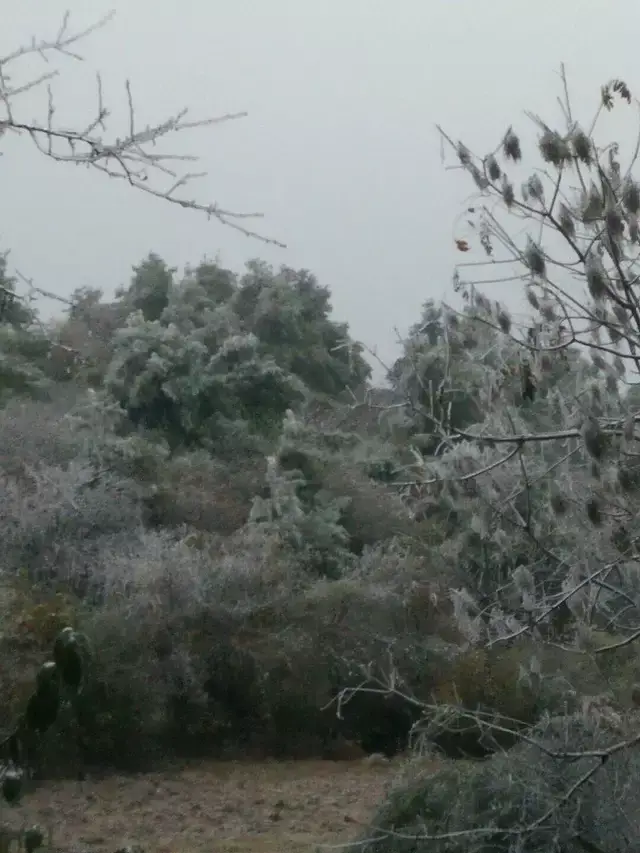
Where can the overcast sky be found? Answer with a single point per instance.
(339, 149)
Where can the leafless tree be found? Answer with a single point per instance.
(545, 483)
(554, 460)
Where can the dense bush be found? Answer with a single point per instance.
(56, 520)
(39, 432)
(204, 493)
(532, 798)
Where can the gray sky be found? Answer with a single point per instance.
(339, 149)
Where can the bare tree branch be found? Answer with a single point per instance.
(128, 157)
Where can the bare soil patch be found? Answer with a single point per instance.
(231, 807)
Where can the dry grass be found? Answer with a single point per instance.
(222, 806)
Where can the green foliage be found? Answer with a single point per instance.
(210, 361)
(437, 375)
(169, 381)
(59, 682)
(24, 346)
(83, 339)
(219, 284)
(320, 500)
(150, 288)
(310, 528)
(289, 312)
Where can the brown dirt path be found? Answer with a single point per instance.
(229, 807)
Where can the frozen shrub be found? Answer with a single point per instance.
(206, 494)
(168, 616)
(53, 518)
(532, 799)
(139, 674)
(338, 635)
(374, 512)
(37, 432)
(146, 593)
(308, 524)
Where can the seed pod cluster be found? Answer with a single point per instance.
(511, 146)
(566, 221)
(554, 148)
(622, 315)
(548, 310)
(493, 168)
(532, 298)
(534, 188)
(596, 277)
(508, 193)
(582, 147)
(594, 439)
(464, 155)
(614, 222)
(534, 259)
(504, 321)
(592, 205)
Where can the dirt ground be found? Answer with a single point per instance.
(231, 807)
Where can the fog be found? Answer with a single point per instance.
(339, 149)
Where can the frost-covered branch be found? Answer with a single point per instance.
(537, 795)
(132, 156)
(522, 420)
